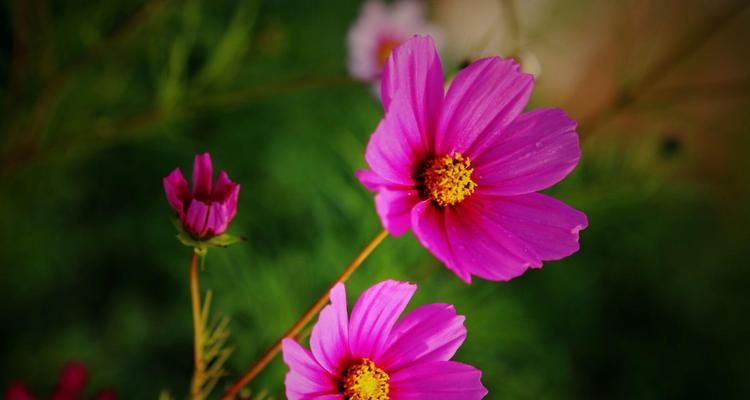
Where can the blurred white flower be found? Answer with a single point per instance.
(378, 29)
(474, 29)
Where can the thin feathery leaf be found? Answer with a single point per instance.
(215, 350)
(164, 395)
(206, 307)
(263, 395)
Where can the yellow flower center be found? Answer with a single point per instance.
(365, 381)
(384, 50)
(447, 179)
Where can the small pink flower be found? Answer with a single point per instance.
(207, 210)
(378, 30)
(18, 391)
(375, 356)
(105, 394)
(71, 382)
(461, 169)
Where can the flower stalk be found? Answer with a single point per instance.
(195, 391)
(304, 320)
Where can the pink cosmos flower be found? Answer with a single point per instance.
(375, 356)
(462, 168)
(378, 29)
(18, 391)
(71, 384)
(207, 210)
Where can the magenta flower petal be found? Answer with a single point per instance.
(484, 248)
(413, 71)
(431, 332)
(224, 187)
(498, 238)
(428, 224)
(467, 246)
(217, 220)
(438, 380)
(202, 176)
(536, 151)
(548, 225)
(394, 208)
(329, 340)
(484, 98)
(371, 180)
(374, 315)
(176, 188)
(226, 193)
(231, 203)
(306, 377)
(196, 217)
(396, 146)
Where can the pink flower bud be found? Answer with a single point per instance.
(72, 380)
(207, 210)
(18, 391)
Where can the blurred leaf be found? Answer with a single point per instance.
(173, 84)
(235, 42)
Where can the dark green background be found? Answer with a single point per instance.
(102, 99)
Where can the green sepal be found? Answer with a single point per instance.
(224, 240)
(201, 246)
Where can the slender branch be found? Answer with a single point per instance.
(195, 392)
(207, 104)
(692, 41)
(263, 91)
(294, 330)
(725, 89)
(59, 80)
(481, 44)
(133, 126)
(514, 23)
(23, 142)
(19, 60)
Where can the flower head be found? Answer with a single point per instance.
(207, 210)
(373, 355)
(18, 391)
(72, 381)
(378, 30)
(71, 384)
(461, 168)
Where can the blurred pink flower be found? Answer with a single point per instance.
(105, 394)
(373, 356)
(18, 391)
(71, 383)
(462, 168)
(378, 29)
(207, 210)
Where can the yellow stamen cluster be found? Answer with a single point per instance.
(384, 50)
(365, 381)
(447, 179)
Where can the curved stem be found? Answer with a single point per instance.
(294, 330)
(195, 391)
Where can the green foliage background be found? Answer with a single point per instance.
(110, 96)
